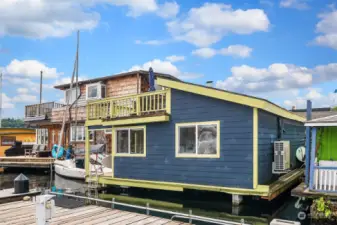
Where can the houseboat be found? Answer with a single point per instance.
(182, 135)
(10, 136)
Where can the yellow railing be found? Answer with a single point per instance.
(133, 105)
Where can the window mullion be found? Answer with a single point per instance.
(196, 139)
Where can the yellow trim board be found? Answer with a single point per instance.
(181, 155)
(261, 190)
(231, 97)
(114, 129)
(255, 147)
(121, 121)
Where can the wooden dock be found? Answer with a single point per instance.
(303, 191)
(8, 195)
(23, 213)
(26, 162)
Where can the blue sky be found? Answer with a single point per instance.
(284, 50)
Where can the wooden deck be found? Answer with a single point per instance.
(26, 162)
(303, 191)
(23, 213)
(8, 195)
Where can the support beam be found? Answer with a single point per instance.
(312, 160)
(236, 200)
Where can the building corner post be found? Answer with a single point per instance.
(255, 147)
(312, 160)
(307, 144)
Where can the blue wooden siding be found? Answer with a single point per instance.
(268, 133)
(234, 168)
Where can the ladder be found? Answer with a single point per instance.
(93, 184)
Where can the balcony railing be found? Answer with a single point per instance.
(325, 179)
(134, 105)
(39, 110)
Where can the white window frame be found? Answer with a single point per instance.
(82, 131)
(72, 94)
(99, 86)
(129, 154)
(42, 136)
(196, 155)
(108, 131)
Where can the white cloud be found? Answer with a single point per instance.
(7, 102)
(327, 27)
(315, 95)
(175, 58)
(295, 4)
(25, 98)
(48, 18)
(211, 22)
(30, 68)
(165, 67)
(205, 52)
(277, 76)
(240, 51)
(22, 90)
(152, 42)
(45, 18)
(168, 10)
(267, 3)
(67, 80)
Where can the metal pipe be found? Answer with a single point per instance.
(175, 214)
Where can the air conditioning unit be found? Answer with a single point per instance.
(281, 162)
(284, 222)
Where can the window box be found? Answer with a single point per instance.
(95, 91)
(130, 141)
(198, 140)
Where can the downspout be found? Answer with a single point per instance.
(307, 143)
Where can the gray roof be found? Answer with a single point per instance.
(323, 122)
(317, 114)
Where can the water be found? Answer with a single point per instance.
(209, 204)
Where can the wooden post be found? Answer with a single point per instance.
(87, 151)
(312, 160)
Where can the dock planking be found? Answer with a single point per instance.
(26, 162)
(23, 213)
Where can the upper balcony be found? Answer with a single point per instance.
(40, 111)
(149, 107)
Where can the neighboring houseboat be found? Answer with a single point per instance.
(9, 136)
(188, 136)
(48, 117)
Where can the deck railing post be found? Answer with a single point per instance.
(190, 215)
(147, 209)
(113, 203)
(138, 105)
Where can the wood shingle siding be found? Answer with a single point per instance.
(234, 168)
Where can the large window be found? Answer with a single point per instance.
(95, 91)
(70, 95)
(198, 139)
(130, 141)
(42, 136)
(77, 133)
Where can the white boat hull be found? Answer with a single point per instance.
(67, 168)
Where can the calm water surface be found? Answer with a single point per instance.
(215, 205)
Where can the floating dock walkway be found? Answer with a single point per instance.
(23, 213)
(26, 162)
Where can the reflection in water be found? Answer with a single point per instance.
(210, 204)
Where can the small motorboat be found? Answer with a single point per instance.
(73, 167)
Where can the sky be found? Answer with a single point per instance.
(283, 50)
